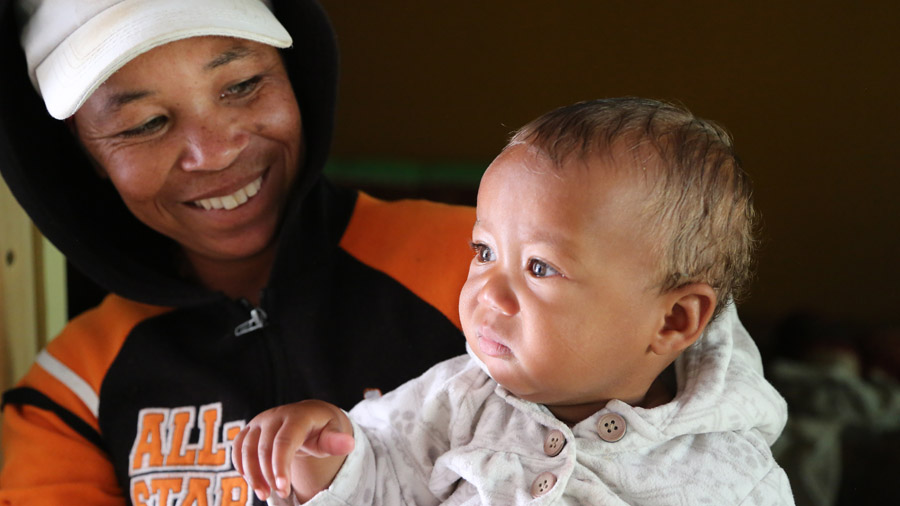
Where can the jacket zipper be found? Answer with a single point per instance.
(258, 320)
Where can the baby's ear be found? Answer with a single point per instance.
(688, 311)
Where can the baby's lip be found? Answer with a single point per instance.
(491, 344)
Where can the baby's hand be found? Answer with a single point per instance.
(301, 445)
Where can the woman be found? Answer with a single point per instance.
(185, 178)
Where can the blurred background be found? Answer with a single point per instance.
(809, 90)
(431, 90)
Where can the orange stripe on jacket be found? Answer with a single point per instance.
(88, 345)
(423, 245)
(40, 451)
(48, 464)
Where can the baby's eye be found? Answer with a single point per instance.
(242, 88)
(540, 269)
(483, 253)
(151, 126)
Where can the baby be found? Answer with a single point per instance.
(612, 238)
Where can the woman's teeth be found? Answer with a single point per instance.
(229, 202)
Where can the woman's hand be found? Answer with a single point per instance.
(301, 445)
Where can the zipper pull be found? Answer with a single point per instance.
(258, 319)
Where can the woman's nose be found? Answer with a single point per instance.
(497, 294)
(212, 143)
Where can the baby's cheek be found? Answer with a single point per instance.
(467, 305)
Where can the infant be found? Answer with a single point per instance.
(606, 363)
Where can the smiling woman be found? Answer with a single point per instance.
(186, 160)
(240, 277)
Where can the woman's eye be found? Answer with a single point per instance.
(483, 253)
(541, 269)
(242, 88)
(148, 127)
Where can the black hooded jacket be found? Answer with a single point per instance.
(138, 398)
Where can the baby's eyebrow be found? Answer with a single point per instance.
(562, 244)
(555, 242)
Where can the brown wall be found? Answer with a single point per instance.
(808, 89)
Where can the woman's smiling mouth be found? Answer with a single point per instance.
(236, 199)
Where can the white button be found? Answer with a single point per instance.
(554, 443)
(611, 427)
(542, 484)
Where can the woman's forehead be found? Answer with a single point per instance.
(205, 53)
(192, 58)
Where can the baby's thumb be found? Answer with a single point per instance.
(332, 442)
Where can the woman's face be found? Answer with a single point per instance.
(202, 139)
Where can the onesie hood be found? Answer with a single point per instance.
(82, 214)
(721, 388)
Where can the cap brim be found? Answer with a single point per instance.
(98, 48)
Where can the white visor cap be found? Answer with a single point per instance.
(73, 46)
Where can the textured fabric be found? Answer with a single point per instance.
(454, 436)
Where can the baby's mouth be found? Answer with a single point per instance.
(236, 199)
(491, 347)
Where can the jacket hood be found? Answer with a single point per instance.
(82, 214)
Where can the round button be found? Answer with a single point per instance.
(554, 443)
(611, 427)
(542, 484)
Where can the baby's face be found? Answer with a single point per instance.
(560, 301)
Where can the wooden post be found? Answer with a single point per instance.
(32, 291)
